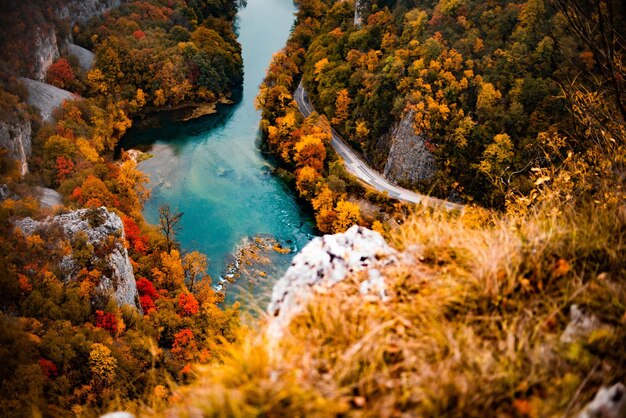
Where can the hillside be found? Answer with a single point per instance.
(512, 304)
(97, 305)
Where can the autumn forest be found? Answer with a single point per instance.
(511, 111)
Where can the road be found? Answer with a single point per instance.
(355, 165)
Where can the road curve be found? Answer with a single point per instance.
(355, 165)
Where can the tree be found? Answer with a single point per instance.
(102, 366)
(169, 224)
(496, 157)
(173, 269)
(341, 106)
(106, 321)
(187, 304)
(348, 214)
(195, 264)
(184, 344)
(60, 74)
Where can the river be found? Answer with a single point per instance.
(212, 170)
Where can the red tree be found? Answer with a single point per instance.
(146, 288)
(60, 74)
(49, 368)
(139, 34)
(64, 167)
(107, 321)
(187, 304)
(138, 242)
(184, 344)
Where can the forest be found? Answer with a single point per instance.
(486, 84)
(521, 105)
(65, 351)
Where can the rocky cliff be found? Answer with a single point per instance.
(45, 51)
(46, 45)
(16, 138)
(102, 232)
(80, 11)
(409, 161)
(360, 9)
(322, 264)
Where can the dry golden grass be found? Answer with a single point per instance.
(472, 328)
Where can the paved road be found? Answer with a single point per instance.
(359, 168)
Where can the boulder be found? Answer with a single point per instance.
(581, 324)
(608, 403)
(85, 57)
(323, 263)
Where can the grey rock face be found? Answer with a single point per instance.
(17, 139)
(80, 11)
(360, 8)
(85, 56)
(409, 160)
(5, 193)
(45, 97)
(324, 262)
(98, 225)
(46, 51)
(49, 198)
(608, 403)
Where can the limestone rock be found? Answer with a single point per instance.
(324, 262)
(49, 198)
(5, 193)
(118, 414)
(98, 225)
(409, 160)
(608, 403)
(360, 10)
(85, 57)
(80, 11)
(580, 325)
(45, 52)
(16, 137)
(45, 97)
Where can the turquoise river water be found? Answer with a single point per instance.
(212, 170)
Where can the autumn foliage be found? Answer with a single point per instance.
(187, 304)
(60, 74)
(106, 321)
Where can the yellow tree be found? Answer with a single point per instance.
(348, 214)
(342, 105)
(102, 365)
(496, 157)
(173, 268)
(306, 180)
(194, 265)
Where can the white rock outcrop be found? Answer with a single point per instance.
(98, 225)
(49, 198)
(323, 263)
(360, 9)
(608, 403)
